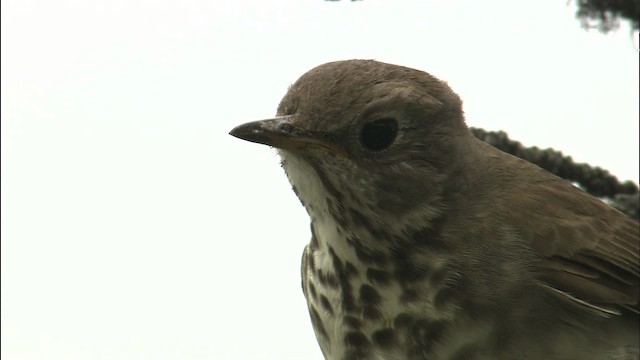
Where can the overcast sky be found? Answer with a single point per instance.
(135, 227)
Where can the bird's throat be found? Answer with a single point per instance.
(368, 286)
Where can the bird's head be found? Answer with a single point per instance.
(360, 139)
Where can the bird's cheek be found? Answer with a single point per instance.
(406, 193)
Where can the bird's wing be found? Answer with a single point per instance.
(588, 251)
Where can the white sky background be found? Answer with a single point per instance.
(135, 227)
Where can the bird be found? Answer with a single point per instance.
(427, 243)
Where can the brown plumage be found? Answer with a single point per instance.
(429, 244)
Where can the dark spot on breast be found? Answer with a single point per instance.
(430, 237)
(369, 257)
(445, 276)
(327, 279)
(326, 304)
(335, 206)
(366, 255)
(311, 262)
(437, 278)
(337, 263)
(340, 220)
(328, 185)
(337, 211)
(369, 295)
(358, 219)
(447, 298)
(314, 239)
(426, 333)
(467, 352)
(384, 337)
(409, 273)
(330, 203)
(378, 277)
(341, 279)
(356, 339)
(403, 321)
(354, 242)
(409, 295)
(352, 322)
(371, 313)
(312, 291)
(348, 303)
(379, 234)
(350, 270)
(317, 322)
(405, 270)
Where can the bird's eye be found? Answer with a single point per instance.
(379, 134)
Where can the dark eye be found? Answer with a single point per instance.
(379, 134)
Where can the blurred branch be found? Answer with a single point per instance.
(595, 180)
(605, 15)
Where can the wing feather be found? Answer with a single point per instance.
(588, 251)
